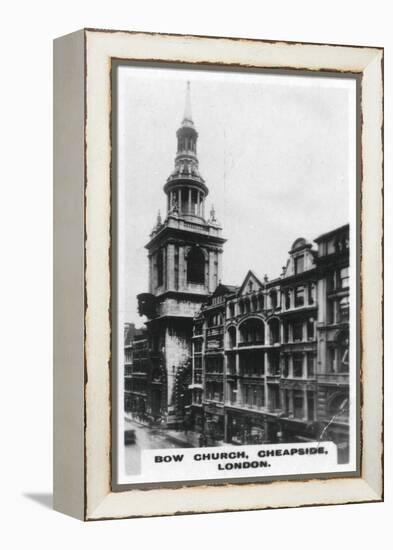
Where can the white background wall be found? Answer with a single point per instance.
(26, 201)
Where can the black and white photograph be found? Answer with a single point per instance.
(236, 289)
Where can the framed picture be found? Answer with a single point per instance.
(218, 274)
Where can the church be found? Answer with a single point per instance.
(185, 258)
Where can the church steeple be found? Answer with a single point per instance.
(185, 187)
(185, 263)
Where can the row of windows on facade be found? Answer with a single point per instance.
(293, 403)
(254, 362)
(139, 386)
(253, 396)
(338, 279)
(296, 297)
(253, 332)
(336, 245)
(337, 311)
(132, 356)
(296, 365)
(255, 303)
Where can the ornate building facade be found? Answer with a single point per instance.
(333, 336)
(278, 370)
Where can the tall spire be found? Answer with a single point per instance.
(185, 187)
(187, 118)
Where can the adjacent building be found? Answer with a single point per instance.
(271, 357)
(137, 379)
(208, 365)
(333, 337)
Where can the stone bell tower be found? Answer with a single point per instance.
(185, 253)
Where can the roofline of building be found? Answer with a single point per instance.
(332, 232)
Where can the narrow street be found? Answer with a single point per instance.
(145, 438)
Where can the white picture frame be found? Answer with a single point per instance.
(83, 279)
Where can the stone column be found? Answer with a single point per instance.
(226, 434)
(224, 377)
(291, 411)
(150, 273)
(189, 199)
(215, 280)
(211, 270)
(321, 300)
(219, 266)
(305, 404)
(267, 333)
(182, 269)
(170, 267)
(283, 401)
(164, 268)
(267, 363)
(237, 367)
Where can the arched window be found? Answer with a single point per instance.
(252, 332)
(160, 268)
(196, 266)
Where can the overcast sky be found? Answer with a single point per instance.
(277, 154)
